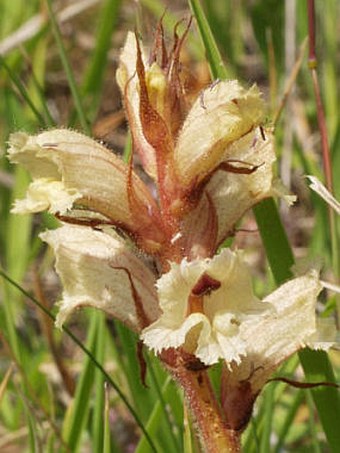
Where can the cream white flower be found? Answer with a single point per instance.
(211, 329)
(227, 196)
(209, 309)
(70, 170)
(98, 270)
(46, 194)
(223, 114)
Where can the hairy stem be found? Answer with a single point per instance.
(213, 433)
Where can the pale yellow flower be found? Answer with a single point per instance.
(209, 309)
(73, 173)
(223, 114)
(228, 194)
(98, 270)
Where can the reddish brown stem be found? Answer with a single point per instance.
(323, 132)
(311, 31)
(214, 435)
(312, 61)
(326, 156)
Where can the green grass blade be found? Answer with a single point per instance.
(23, 92)
(318, 368)
(38, 72)
(143, 399)
(217, 67)
(169, 426)
(153, 424)
(99, 401)
(17, 239)
(108, 446)
(32, 431)
(77, 415)
(106, 25)
(289, 420)
(268, 406)
(315, 443)
(226, 20)
(68, 70)
(18, 230)
(275, 241)
(7, 324)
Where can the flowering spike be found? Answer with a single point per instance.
(145, 253)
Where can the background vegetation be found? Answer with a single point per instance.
(57, 68)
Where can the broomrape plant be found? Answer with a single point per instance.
(207, 162)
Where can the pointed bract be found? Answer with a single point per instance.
(128, 82)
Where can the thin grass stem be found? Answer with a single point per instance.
(68, 70)
(23, 92)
